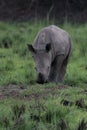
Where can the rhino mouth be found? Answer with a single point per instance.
(42, 82)
(41, 79)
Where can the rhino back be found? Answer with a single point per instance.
(61, 40)
(58, 38)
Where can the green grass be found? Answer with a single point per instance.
(43, 109)
(17, 61)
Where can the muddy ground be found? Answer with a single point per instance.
(19, 92)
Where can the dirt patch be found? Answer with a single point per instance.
(10, 91)
(14, 91)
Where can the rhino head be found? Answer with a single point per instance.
(42, 60)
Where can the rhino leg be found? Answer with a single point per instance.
(56, 69)
(63, 70)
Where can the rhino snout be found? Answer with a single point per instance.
(41, 78)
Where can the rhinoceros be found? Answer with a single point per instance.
(51, 51)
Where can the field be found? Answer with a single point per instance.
(25, 105)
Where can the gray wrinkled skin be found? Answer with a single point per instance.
(51, 50)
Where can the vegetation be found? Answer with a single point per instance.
(25, 105)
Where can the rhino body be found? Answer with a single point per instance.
(51, 51)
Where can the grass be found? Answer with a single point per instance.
(25, 105)
(17, 60)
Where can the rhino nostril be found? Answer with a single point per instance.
(40, 78)
(40, 75)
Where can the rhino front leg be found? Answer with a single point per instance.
(55, 69)
(63, 70)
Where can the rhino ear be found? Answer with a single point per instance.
(48, 47)
(30, 47)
